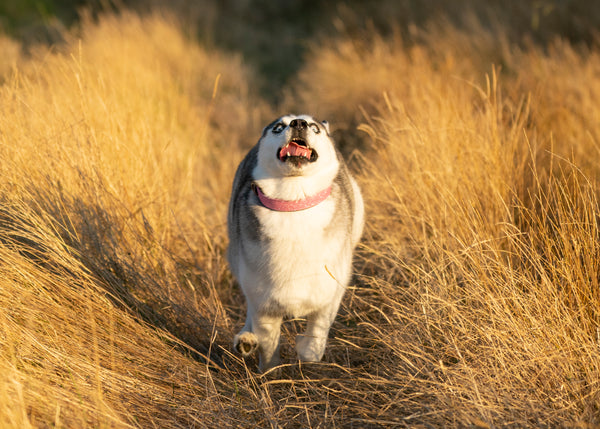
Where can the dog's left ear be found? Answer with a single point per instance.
(326, 125)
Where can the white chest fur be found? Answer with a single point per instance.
(299, 265)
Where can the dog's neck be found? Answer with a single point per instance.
(279, 205)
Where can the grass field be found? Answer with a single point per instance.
(476, 299)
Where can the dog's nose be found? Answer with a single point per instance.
(299, 124)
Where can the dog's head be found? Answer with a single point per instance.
(295, 145)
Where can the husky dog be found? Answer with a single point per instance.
(295, 216)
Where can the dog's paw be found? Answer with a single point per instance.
(309, 349)
(245, 343)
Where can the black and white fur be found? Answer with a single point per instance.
(292, 263)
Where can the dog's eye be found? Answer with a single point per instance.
(278, 127)
(315, 128)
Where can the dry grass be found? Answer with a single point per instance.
(476, 299)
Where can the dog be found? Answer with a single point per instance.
(295, 216)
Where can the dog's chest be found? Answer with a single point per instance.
(303, 231)
(300, 258)
(299, 244)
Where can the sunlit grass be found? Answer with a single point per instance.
(476, 297)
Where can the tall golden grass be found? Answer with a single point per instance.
(482, 243)
(476, 299)
(116, 154)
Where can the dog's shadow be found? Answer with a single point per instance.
(168, 292)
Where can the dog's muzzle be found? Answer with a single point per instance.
(297, 151)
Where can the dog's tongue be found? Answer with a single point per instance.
(294, 149)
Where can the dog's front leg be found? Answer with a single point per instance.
(311, 345)
(245, 342)
(260, 333)
(267, 330)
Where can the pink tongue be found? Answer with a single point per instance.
(294, 149)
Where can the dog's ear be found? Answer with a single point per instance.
(326, 125)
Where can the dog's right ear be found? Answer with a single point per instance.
(326, 125)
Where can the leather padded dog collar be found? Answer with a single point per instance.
(291, 206)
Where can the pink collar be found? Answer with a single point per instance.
(291, 206)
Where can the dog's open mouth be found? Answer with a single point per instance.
(297, 152)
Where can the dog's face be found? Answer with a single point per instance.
(296, 146)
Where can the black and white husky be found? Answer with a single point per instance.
(295, 216)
